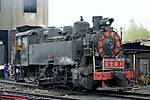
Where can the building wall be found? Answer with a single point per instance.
(5, 13)
(12, 14)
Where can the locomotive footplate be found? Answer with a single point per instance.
(120, 78)
(108, 75)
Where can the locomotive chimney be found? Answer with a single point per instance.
(96, 22)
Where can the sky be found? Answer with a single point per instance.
(66, 12)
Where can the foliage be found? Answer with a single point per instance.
(135, 32)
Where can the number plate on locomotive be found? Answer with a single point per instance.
(113, 63)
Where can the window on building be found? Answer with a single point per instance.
(30, 6)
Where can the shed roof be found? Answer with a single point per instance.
(135, 47)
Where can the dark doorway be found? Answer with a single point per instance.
(4, 38)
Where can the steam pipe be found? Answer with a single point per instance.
(93, 58)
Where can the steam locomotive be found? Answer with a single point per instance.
(75, 57)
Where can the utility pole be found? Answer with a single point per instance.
(121, 33)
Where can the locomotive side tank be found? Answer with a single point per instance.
(77, 57)
(39, 54)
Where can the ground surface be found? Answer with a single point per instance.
(141, 89)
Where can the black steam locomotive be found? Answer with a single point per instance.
(78, 57)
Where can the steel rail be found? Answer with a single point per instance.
(32, 95)
(123, 94)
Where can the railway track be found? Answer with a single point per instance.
(30, 96)
(115, 94)
(4, 92)
(32, 85)
(97, 93)
(124, 94)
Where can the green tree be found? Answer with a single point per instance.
(135, 32)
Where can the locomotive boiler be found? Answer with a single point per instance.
(76, 57)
